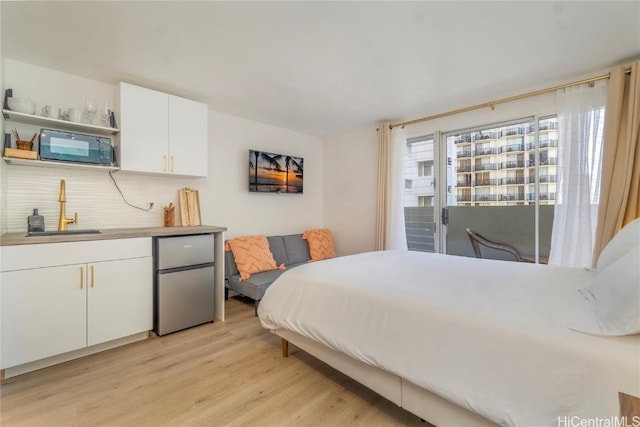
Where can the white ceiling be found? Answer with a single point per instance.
(326, 68)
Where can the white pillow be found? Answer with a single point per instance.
(625, 240)
(616, 296)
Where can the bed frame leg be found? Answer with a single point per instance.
(285, 348)
(256, 303)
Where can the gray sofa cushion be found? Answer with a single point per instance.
(276, 245)
(256, 285)
(230, 267)
(291, 250)
(297, 248)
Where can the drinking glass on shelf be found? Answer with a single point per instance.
(90, 108)
(104, 119)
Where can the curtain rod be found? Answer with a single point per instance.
(492, 104)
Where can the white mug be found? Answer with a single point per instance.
(73, 115)
(51, 111)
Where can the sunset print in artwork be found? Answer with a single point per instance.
(274, 173)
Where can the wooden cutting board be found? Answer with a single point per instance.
(189, 207)
(21, 154)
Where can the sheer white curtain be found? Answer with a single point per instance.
(397, 237)
(580, 129)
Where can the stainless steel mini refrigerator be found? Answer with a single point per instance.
(183, 283)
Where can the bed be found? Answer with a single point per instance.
(465, 341)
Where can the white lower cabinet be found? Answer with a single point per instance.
(101, 291)
(44, 313)
(119, 299)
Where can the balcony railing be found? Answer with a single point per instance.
(543, 196)
(465, 138)
(464, 198)
(543, 144)
(512, 180)
(549, 161)
(511, 148)
(482, 182)
(542, 179)
(548, 126)
(419, 228)
(485, 151)
(485, 166)
(481, 136)
(548, 143)
(464, 183)
(511, 197)
(515, 130)
(464, 168)
(512, 164)
(547, 178)
(462, 154)
(484, 198)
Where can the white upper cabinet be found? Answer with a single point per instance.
(187, 137)
(162, 133)
(144, 129)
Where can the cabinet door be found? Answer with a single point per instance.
(43, 313)
(120, 299)
(188, 139)
(144, 141)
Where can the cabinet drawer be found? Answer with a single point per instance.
(23, 257)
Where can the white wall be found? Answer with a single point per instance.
(224, 196)
(350, 188)
(226, 192)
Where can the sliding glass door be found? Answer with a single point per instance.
(420, 194)
(499, 183)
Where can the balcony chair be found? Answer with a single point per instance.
(477, 240)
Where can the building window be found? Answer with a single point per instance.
(408, 184)
(425, 201)
(425, 168)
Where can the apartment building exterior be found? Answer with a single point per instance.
(492, 166)
(497, 167)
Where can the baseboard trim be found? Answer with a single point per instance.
(65, 357)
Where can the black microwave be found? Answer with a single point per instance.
(75, 147)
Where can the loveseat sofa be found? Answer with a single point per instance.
(291, 250)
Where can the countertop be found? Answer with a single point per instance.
(10, 239)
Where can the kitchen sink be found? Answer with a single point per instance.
(61, 233)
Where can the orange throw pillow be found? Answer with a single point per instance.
(320, 243)
(252, 255)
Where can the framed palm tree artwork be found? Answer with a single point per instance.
(275, 173)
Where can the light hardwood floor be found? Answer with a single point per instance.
(222, 374)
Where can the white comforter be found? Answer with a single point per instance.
(491, 336)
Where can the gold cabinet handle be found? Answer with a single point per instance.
(81, 277)
(91, 269)
(164, 168)
(171, 164)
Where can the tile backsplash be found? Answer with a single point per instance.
(92, 194)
